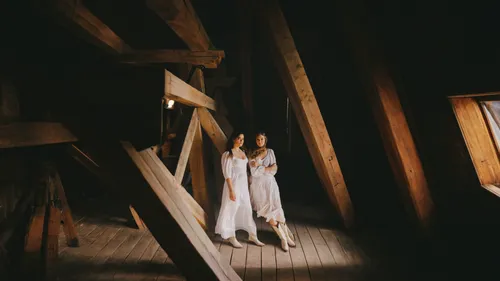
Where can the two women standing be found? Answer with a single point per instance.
(236, 206)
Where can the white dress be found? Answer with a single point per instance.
(264, 190)
(235, 215)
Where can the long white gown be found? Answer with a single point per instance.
(235, 215)
(264, 190)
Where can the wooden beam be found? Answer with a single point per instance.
(67, 217)
(77, 16)
(308, 114)
(34, 133)
(197, 161)
(85, 160)
(138, 221)
(389, 115)
(194, 207)
(182, 18)
(162, 209)
(186, 147)
(180, 91)
(209, 59)
(212, 129)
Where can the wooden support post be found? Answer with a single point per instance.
(32, 259)
(67, 217)
(194, 124)
(308, 113)
(389, 115)
(197, 161)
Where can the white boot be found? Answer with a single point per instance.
(234, 242)
(254, 239)
(282, 236)
(289, 235)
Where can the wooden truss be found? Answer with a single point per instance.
(174, 218)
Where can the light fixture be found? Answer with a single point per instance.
(170, 104)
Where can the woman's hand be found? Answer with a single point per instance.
(253, 163)
(232, 197)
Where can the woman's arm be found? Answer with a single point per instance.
(227, 170)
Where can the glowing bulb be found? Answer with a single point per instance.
(170, 104)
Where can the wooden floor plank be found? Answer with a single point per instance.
(96, 267)
(268, 254)
(300, 268)
(333, 244)
(284, 267)
(254, 260)
(115, 261)
(325, 256)
(239, 257)
(133, 258)
(310, 253)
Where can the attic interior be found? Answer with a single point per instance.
(383, 116)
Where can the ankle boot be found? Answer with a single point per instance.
(281, 234)
(289, 235)
(254, 239)
(234, 242)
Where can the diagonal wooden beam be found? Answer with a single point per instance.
(212, 129)
(307, 111)
(182, 18)
(180, 91)
(197, 211)
(389, 114)
(85, 160)
(93, 167)
(21, 134)
(186, 147)
(77, 17)
(179, 234)
(209, 59)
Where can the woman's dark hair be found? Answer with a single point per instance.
(230, 141)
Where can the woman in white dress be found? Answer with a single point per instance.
(236, 210)
(265, 194)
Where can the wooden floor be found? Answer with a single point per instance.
(111, 250)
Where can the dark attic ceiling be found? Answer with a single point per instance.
(136, 24)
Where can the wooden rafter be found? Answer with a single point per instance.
(209, 59)
(308, 113)
(33, 134)
(212, 129)
(389, 115)
(180, 91)
(91, 27)
(182, 18)
(80, 19)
